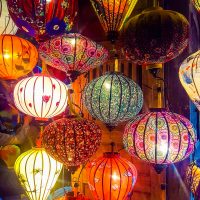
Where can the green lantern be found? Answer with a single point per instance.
(113, 98)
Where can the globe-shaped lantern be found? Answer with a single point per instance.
(71, 141)
(196, 4)
(7, 26)
(113, 98)
(189, 76)
(43, 19)
(155, 36)
(160, 137)
(112, 14)
(37, 173)
(73, 53)
(17, 58)
(111, 177)
(193, 178)
(41, 96)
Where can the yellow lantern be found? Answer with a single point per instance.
(18, 57)
(37, 173)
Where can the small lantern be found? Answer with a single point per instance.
(41, 96)
(37, 173)
(111, 177)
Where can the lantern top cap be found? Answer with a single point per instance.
(154, 8)
(111, 155)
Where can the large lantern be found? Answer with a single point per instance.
(113, 98)
(73, 53)
(193, 178)
(111, 177)
(160, 137)
(155, 36)
(43, 19)
(17, 58)
(37, 173)
(7, 25)
(71, 141)
(189, 77)
(41, 96)
(112, 14)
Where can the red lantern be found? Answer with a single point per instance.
(43, 19)
(71, 141)
(111, 177)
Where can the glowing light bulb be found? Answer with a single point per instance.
(72, 41)
(107, 85)
(115, 177)
(163, 147)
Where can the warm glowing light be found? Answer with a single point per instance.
(107, 85)
(115, 177)
(41, 96)
(37, 173)
(6, 56)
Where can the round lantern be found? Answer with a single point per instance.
(189, 77)
(73, 53)
(71, 141)
(155, 36)
(18, 57)
(112, 14)
(43, 19)
(41, 96)
(160, 137)
(196, 4)
(111, 177)
(113, 98)
(193, 178)
(37, 173)
(7, 26)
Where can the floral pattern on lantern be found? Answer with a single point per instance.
(111, 177)
(43, 19)
(37, 173)
(71, 141)
(189, 75)
(155, 36)
(73, 53)
(160, 137)
(41, 96)
(7, 26)
(113, 98)
(18, 57)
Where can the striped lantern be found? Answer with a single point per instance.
(41, 96)
(111, 177)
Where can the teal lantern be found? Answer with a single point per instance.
(113, 98)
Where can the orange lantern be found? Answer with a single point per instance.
(111, 177)
(18, 57)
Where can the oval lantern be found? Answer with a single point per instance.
(111, 177)
(189, 77)
(41, 96)
(43, 19)
(71, 141)
(113, 98)
(160, 137)
(73, 53)
(37, 173)
(155, 36)
(18, 57)
(193, 178)
(7, 26)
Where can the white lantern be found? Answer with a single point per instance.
(41, 96)
(7, 26)
(37, 173)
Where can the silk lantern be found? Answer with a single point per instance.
(189, 77)
(112, 14)
(113, 98)
(71, 141)
(155, 36)
(111, 177)
(41, 96)
(73, 53)
(43, 19)
(37, 173)
(159, 137)
(18, 57)
(7, 26)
